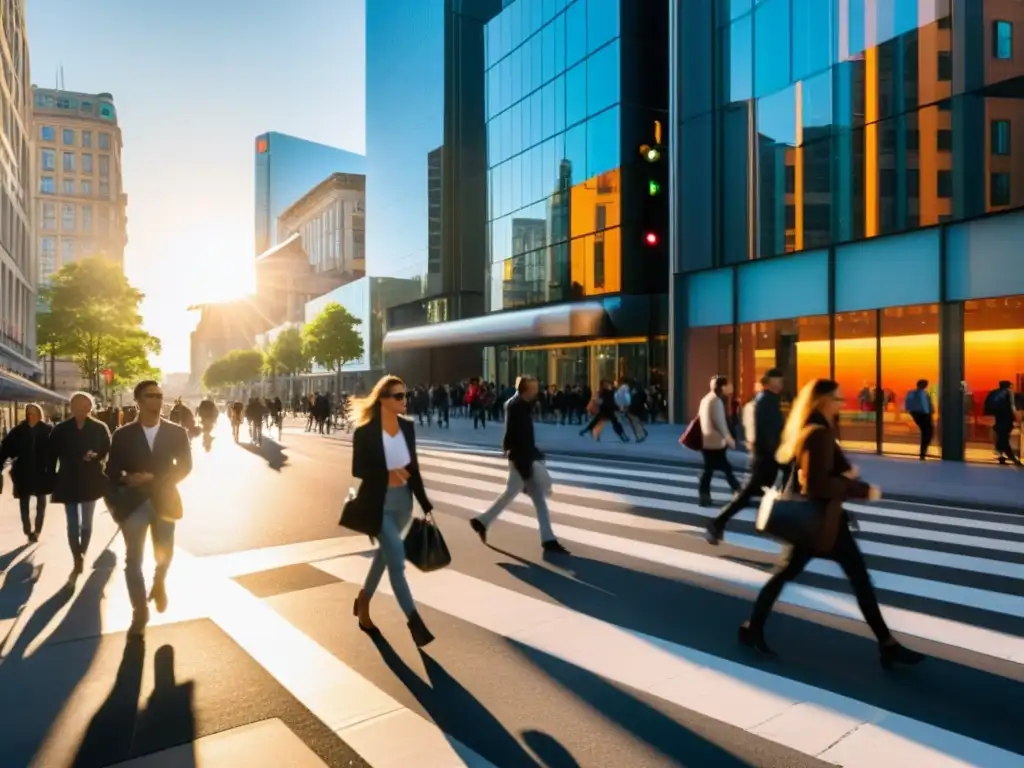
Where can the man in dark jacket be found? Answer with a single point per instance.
(148, 458)
(26, 446)
(768, 424)
(526, 471)
(78, 448)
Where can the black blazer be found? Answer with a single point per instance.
(518, 442)
(28, 449)
(170, 461)
(73, 478)
(370, 466)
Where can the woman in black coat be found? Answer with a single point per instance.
(78, 450)
(27, 446)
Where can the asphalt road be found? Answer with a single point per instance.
(623, 653)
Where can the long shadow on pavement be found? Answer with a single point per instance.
(948, 695)
(270, 451)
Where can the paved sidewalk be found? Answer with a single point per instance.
(990, 487)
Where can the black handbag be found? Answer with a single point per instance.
(793, 520)
(355, 516)
(424, 545)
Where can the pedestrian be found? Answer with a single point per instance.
(78, 448)
(148, 458)
(384, 458)
(27, 447)
(825, 477)
(526, 470)
(919, 405)
(717, 437)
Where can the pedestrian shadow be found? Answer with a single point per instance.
(19, 582)
(9, 557)
(699, 617)
(270, 451)
(455, 710)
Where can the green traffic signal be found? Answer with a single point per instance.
(653, 188)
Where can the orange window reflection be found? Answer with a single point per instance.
(910, 351)
(596, 263)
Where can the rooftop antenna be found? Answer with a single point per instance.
(62, 77)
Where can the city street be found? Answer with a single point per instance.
(622, 653)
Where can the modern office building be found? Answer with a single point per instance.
(77, 189)
(426, 181)
(17, 259)
(575, 287)
(846, 185)
(288, 167)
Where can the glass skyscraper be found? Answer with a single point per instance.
(847, 178)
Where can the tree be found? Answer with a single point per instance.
(50, 338)
(331, 339)
(240, 366)
(93, 317)
(287, 355)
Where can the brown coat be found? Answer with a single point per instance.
(821, 463)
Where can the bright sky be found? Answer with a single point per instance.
(194, 82)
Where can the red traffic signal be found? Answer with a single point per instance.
(651, 238)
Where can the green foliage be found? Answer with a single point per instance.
(93, 317)
(239, 366)
(331, 340)
(288, 354)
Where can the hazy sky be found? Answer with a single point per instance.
(194, 82)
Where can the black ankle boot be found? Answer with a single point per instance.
(753, 637)
(420, 634)
(889, 655)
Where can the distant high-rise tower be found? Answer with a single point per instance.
(77, 187)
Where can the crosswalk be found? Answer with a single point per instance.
(951, 582)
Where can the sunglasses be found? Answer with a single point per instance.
(399, 396)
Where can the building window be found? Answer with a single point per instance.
(87, 218)
(49, 160)
(69, 161)
(69, 186)
(945, 184)
(104, 141)
(47, 185)
(67, 251)
(87, 139)
(945, 66)
(67, 217)
(47, 256)
(105, 190)
(86, 188)
(86, 163)
(104, 166)
(1002, 40)
(1000, 137)
(999, 189)
(47, 133)
(67, 137)
(49, 217)
(945, 140)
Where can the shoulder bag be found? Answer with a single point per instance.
(425, 546)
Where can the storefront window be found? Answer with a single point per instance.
(856, 370)
(993, 352)
(584, 363)
(910, 351)
(799, 347)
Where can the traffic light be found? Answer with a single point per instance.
(654, 176)
(651, 238)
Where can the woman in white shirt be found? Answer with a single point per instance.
(384, 458)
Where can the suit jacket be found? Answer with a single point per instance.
(370, 466)
(170, 461)
(822, 463)
(768, 424)
(518, 442)
(28, 449)
(73, 478)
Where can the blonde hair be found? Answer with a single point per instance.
(366, 409)
(806, 402)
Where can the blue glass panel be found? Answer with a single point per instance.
(547, 37)
(550, 9)
(603, 79)
(576, 94)
(560, 104)
(576, 152)
(776, 117)
(709, 298)
(559, 25)
(548, 111)
(575, 32)
(983, 258)
(529, 64)
(603, 142)
(771, 46)
(812, 37)
(788, 286)
(602, 22)
(738, 60)
(908, 264)
(516, 171)
(515, 16)
(817, 106)
(536, 134)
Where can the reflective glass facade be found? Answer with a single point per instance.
(554, 152)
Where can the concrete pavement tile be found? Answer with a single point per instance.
(290, 578)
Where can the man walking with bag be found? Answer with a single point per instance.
(526, 470)
(148, 458)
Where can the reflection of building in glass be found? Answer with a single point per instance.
(851, 209)
(287, 167)
(566, 269)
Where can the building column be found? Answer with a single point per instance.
(951, 374)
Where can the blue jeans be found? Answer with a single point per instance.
(134, 528)
(79, 515)
(25, 502)
(391, 551)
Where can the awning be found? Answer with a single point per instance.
(15, 388)
(562, 321)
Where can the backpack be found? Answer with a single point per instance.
(992, 402)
